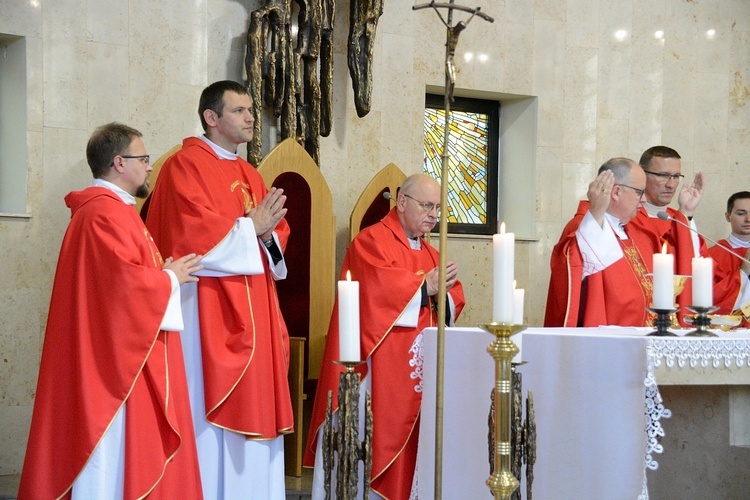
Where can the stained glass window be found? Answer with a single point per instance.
(472, 161)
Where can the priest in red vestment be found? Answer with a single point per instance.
(111, 416)
(207, 198)
(731, 288)
(600, 265)
(398, 276)
(663, 168)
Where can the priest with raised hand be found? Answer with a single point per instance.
(601, 263)
(398, 274)
(663, 168)
(111, 415)
(731, 284)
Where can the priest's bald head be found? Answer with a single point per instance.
(418, 204)
(626, 192)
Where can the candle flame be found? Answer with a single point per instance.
(348, 275)
(664, 248)
(502, 228)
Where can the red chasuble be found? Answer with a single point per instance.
(727, 280)
(102, 349)
(679, 242)
(617, 295)
(244, 341)
(390, 273)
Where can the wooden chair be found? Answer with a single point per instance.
(372, 205)
(306, 297)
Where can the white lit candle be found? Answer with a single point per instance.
(663, 279)
(518, 296)
(703, 282)
(348, 319)
(503, 246)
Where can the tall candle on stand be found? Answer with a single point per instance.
(503, 248)
(348, 319)
(663, 279)
(703, 282)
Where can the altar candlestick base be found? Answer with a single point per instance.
(663, 321)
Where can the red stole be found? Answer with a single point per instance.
(727, 280)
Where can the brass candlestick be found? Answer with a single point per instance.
(345, 441)
(502, 482)
(701, 321)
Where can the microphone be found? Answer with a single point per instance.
(665, 216)
(387, 195)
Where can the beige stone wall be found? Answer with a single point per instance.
(144, 63)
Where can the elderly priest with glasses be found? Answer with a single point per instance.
(601, 264)
(398, 274)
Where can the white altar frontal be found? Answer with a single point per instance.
(600, 420)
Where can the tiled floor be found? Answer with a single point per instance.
(297, 488)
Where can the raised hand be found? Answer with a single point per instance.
(599, 195)
(690, 194)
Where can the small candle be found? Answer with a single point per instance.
(348, 319)
(663, 279)
(518, 296)
(703, 281)
(503, 246)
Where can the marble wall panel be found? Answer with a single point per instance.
(107, 84)
(550, 10)
(107, 21)
(13, 436)
(711, 106)
(583, 23)
(645, 96)
(549, 198)
(549, 69)
(581, 104)
(613, 83)
(21, 18)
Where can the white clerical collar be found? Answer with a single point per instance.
(653, 210)
(415, 243)
(220, 152)
(617, 226)
(126, 197)
(736, 242)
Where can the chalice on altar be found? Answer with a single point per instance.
(679, 285)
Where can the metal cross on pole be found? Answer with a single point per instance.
(453, 32)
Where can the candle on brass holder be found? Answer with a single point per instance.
(701, 321)
(662, 322)
(502, 482)
(345, 440)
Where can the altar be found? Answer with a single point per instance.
(599, 411)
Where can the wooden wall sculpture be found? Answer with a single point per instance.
(282, 66)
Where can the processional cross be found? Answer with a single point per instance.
(453, 32)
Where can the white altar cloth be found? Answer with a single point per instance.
(596, 402)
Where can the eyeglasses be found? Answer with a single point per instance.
(637, 191)
(145, 159)
(666, 177)
(426, 207)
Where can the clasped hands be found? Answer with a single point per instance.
(432, 278)
(268, 213)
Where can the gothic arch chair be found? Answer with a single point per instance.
(306, 297)
(372, 205)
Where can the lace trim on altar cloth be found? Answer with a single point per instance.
(699, 352)
(417, 361)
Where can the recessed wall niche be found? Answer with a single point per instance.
(13, 153)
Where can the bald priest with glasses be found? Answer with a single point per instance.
(397, 272)
(663, 168)
(601, 263)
